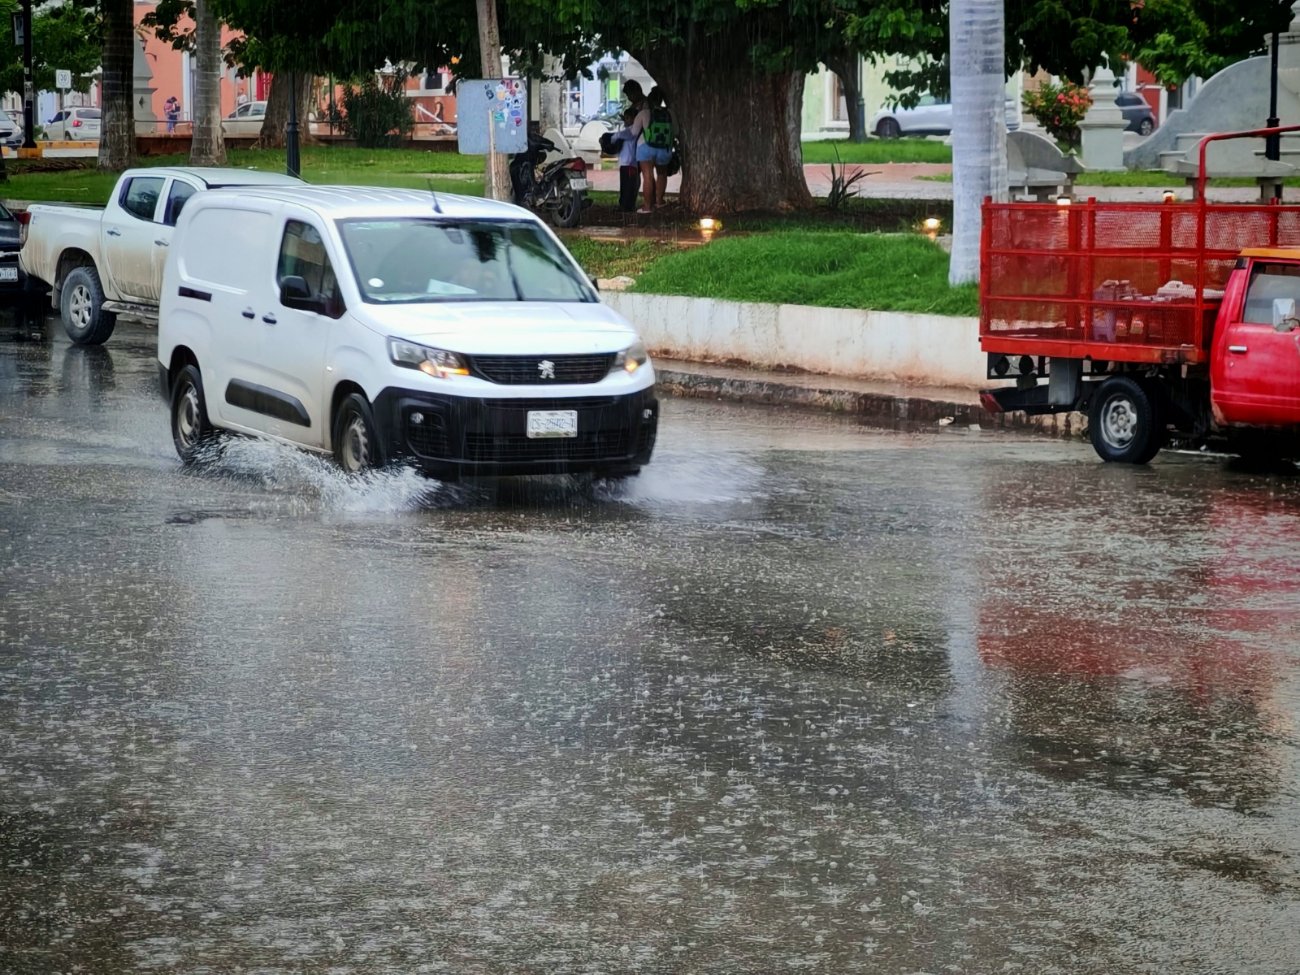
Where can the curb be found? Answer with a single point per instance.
(898, 411)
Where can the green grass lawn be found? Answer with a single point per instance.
(80, 182)
(887, 272)
(877, 151)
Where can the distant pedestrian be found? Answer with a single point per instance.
(654, 125)
(172, 110)
(634, 95)
(628, 172)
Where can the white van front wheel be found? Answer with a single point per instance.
(192, 432)
(356, 444)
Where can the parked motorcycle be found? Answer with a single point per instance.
(557, 184)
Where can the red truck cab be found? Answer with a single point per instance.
(1152, 318)
(1255, 355)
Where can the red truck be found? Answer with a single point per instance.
(1152, 318)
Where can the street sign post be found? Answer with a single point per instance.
(62, 79)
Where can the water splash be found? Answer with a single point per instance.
(318, 483)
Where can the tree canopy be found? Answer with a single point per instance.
(64, 36)
(1171, 38)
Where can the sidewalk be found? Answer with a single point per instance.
(916, 181)
(883, 404)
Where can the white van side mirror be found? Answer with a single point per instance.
(294, 293)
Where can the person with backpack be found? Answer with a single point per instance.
(654, 124)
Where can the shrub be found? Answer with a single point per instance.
(377, 114)
(1059, 109)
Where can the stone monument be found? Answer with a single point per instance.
(146, 122)
(1101, 130)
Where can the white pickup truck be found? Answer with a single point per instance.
(102, 262)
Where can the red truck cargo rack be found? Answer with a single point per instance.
(1119, 282)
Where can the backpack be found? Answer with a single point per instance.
(659, 133)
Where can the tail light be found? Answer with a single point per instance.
(76, 123)
(24, 217)
(578, 165)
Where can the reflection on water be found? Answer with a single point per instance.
(1149, 657)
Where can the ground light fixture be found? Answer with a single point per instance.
(931, 226)
(1168, 196)
(1063, 201)
(709, 226)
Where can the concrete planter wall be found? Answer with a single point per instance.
(934, 350)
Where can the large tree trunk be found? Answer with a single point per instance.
(979, 142)
(117, 135)
(277, 109)
(207, 147)
(845, 66)
(739, 127)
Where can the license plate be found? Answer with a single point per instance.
(578, 184)
(8, 274)
(552, 423)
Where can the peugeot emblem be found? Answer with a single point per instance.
(546, 369)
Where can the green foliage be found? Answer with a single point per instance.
(377, 113)
(1172, 38)
(1059, 109)
(64, 35)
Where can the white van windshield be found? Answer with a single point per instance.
(419, 259)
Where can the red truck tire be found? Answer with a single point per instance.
(1126, 421)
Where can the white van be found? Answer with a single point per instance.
(394, 325)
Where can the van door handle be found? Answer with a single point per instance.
(162, 243)
(1237, 349)
(249, 314)
(268, 318)
(113, 232)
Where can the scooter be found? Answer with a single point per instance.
(557, 184)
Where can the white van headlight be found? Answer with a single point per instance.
(632, 358)
(438, 363)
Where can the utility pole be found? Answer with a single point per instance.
(29, 85)
(496, 183)
(292, 164)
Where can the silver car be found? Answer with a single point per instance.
(929, 116)
(74, 125)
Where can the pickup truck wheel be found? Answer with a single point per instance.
(356, 441)
(1125, 423)
(192, 431)
(81, 305)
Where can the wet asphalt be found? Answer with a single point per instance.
(806, 696)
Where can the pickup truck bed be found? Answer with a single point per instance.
(1117, 282)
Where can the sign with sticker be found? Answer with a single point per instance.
(492, 114)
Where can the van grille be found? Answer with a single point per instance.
(519, 370)
(595, 445)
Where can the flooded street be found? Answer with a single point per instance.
(805, 696)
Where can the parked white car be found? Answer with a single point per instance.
(453, 333)
(74, 125)
(930, 116)
(245, 120)
(99, 263)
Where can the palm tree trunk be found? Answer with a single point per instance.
(979, 142)
(207, 146)
(117, 138)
